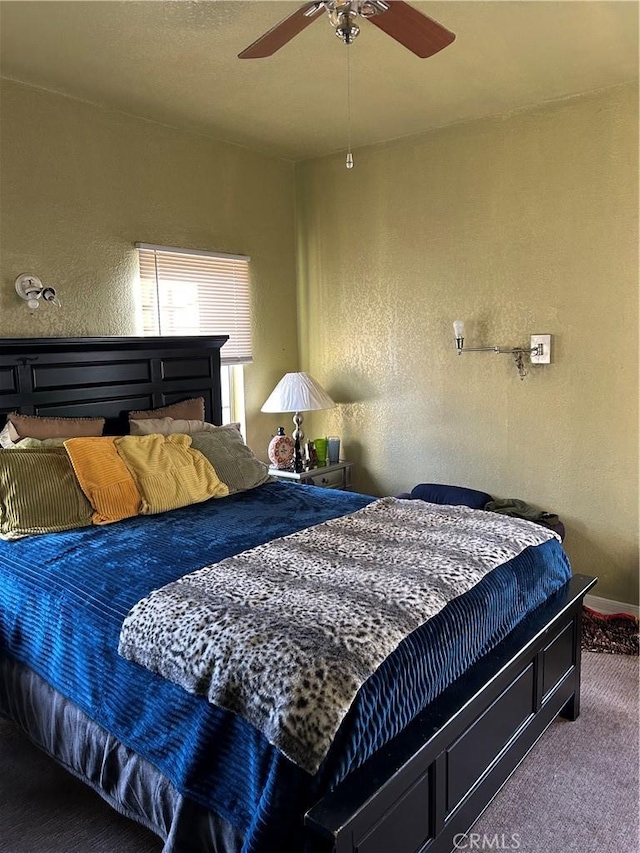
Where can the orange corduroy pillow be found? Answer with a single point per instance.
(104, 478)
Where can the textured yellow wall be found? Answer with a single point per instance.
(79, 185)
(521, 224)
(525, 223)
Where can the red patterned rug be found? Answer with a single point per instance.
(615, 634)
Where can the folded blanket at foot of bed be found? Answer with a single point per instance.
(285, 634)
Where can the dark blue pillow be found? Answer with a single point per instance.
(435, 493)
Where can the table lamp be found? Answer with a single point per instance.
(297, 393)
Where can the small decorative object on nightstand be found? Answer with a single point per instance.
(281, 450)
(328, 477)
(333, 449)
(312, 458)
(321, 451)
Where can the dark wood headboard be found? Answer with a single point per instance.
(108, 377)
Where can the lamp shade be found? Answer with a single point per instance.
(297, 392)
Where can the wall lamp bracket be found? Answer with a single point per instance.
(538, 352)
(31, 289)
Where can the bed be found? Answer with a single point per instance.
(408, 779)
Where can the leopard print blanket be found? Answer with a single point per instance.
(285, 634)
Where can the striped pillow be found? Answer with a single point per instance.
(167, 472)
(40, 494)
(104, 478)
(233, 461)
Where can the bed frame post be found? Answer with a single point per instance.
(571, 710)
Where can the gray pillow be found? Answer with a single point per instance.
(233, 461)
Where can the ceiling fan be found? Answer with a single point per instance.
(418, 33)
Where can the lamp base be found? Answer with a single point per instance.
(298, 464)
(298, 432)
(297, 435)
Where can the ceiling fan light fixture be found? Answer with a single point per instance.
(353, 8)
(342, 17)
(338, 12)
(369, 8)
(347, 32)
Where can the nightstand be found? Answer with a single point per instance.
(336, 476)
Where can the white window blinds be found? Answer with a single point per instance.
(188, 292)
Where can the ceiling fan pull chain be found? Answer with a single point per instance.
(349, 162)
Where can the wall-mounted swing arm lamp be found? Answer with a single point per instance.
(31, 289)
(539, 352)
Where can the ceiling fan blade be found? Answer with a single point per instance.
(283, 32)
(420, 34)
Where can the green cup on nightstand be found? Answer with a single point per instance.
(321, 451)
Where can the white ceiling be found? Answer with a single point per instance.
(175, 62)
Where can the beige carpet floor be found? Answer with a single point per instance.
(576, 791)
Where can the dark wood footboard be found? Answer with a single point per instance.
(438, 775)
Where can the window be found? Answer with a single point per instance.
(189, 292)
(232, 392)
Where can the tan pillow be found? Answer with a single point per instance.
(192, 409)
(34, 426)
(40, 494)
(168, 473)
(168, 426)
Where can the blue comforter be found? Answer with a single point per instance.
(63, 598)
